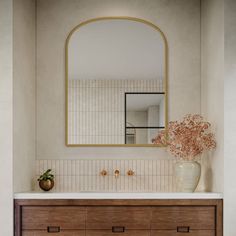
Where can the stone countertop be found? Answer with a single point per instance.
(116, 195)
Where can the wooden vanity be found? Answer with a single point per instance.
(118, 217)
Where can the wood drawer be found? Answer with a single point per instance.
(195, 217)
(65, 217)
(190, 233)
(128, 217)
(126, 233)
(45, 233)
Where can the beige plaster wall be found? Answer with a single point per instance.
(6, 106)
(229, 119)
(212, 87)
(24, 93)
(179, 20)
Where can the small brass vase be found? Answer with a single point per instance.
(46, 185)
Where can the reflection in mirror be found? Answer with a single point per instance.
(107, 59)
(145, 111)
(130, 134)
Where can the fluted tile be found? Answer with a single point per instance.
(84, 175)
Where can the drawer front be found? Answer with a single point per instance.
(128, 217)
(109, 233)
(199, 217)
(190, 233)
(45, 233)
(59, 217)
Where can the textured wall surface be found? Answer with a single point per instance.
(179, 20)
(84, 175)
(212, 87)
(229, 119)
(6, 117)
(24, 93)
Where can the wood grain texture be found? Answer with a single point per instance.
(65, 212)
(126, 233)
(45, 233)
(200, 217)
(128, 217)
(116, 202)
(65, 217)
(175, 233)
(17, 219)
(219, 218)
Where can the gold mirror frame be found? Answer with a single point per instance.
(66, 79)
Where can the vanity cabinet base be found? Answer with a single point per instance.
(74, 217)
(125, 233)
(190, 233)
(46, 233)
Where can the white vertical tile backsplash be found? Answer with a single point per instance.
(84, 175)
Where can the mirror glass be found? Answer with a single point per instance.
(144, 117)
(115, 82)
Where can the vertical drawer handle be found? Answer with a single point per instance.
(183, 229)
(118, 229)
(53, 229)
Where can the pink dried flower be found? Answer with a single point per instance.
(187, 138)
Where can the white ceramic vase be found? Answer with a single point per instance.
(187, 175)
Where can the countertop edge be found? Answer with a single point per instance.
(113, 196)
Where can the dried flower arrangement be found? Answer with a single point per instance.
(188, 138)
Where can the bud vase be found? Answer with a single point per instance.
(187, 175)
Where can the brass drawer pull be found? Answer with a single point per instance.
(118, 229)
(53, 229)
(183, 229)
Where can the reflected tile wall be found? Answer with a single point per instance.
(96, 108)
(84, 175)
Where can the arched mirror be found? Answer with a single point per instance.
(116, 75)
